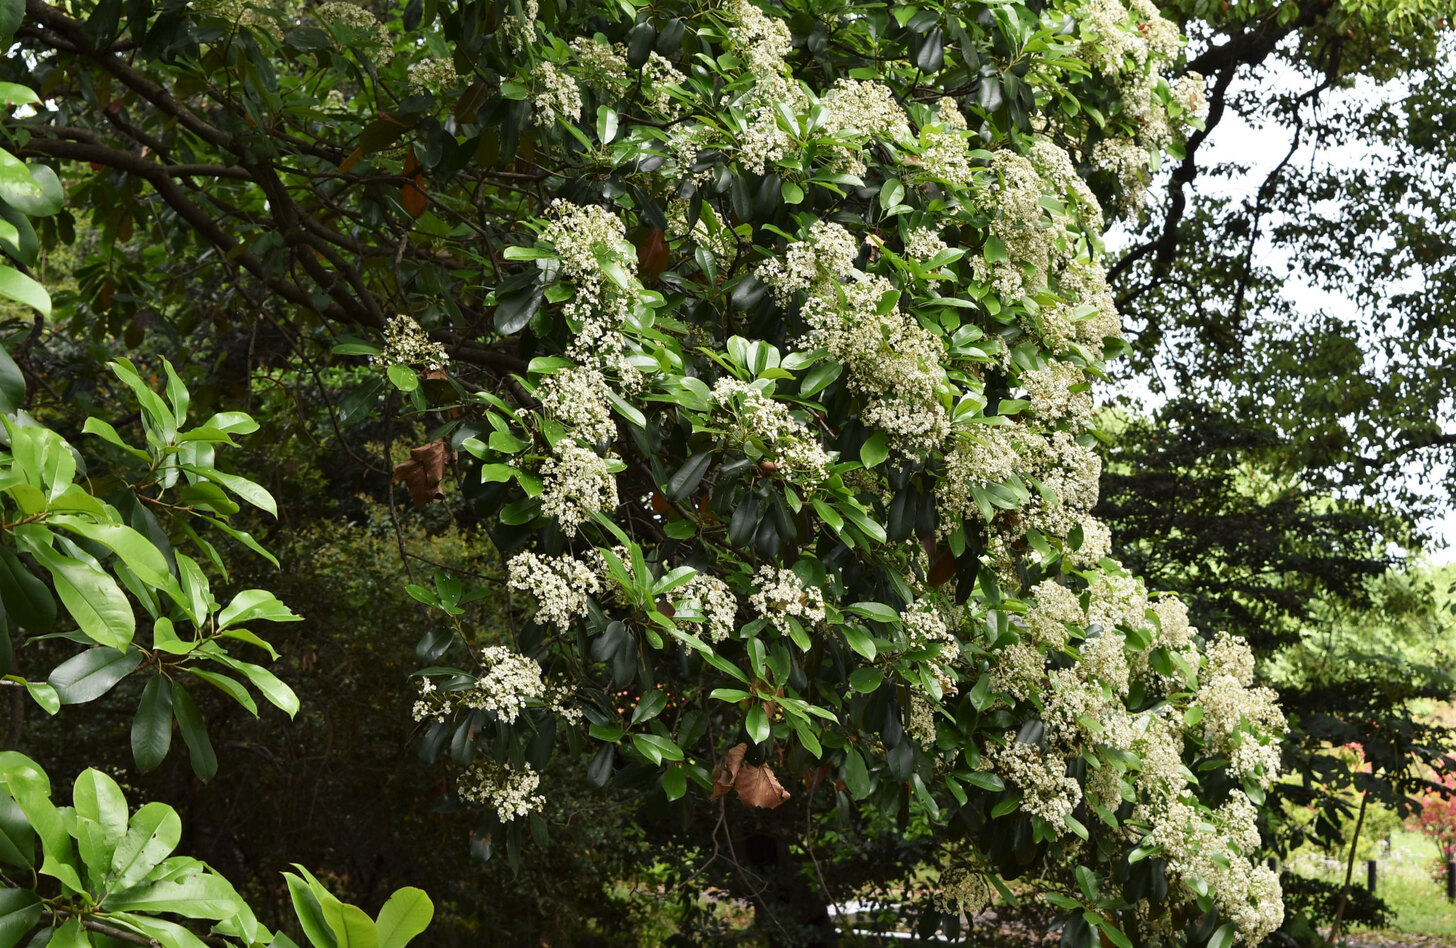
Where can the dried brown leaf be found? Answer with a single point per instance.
(728, 770)
(424, 471)
(757, 786)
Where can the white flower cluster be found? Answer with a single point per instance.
(1058, 393)
(1117, 599)
(1240, 721)
(241, 14)
(963, 892)
(926, 628)
(1036, 244)
(763, 43)
(406, 343)
(576, 482)
(577, 397)
(944, 153)
(923, 245)
(519, 31)
(432, 75)
(510, 790)
(920, 722)
(717, 603)
(823, 258)
(1046, 789)
(779, 594)
(857, 110)
(1054, 607)
(585, 237)
(603, 66)
(364, 24)
(558, 97)
(1132, 44)
(764, 428)
(892, 361)
(512, 682)
(559, 584)
(979, 456)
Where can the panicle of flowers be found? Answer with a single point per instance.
(764, 426)
(963, 892)
(1084, 286)
(920, 722)
(352, 16)
(559, 584)
(1035, 244)
(603, 66)
(1046, 789)
(892, 361)
(510, 681)
(923, 245)
(558, 97)
(717, 602)
(1018, 670)
(1241, 722)
(1053, 608)
(1096, 543)
(242, 14)
(858, 110)
(576, 482)
(926, 628)
(761, 41)
(1187, 93)
(432, 75)
(825, 255)
(779, 594)
(659, 78)
(519, 30)
(1117, 599)
(407, 343)
(1071, 471)
(1051, 392)
(982, 455)
(510, 790)
(577, 397)
(1056, 168)
(583, 236)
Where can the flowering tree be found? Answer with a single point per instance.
(764, 344)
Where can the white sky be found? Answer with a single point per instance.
(1262, 148)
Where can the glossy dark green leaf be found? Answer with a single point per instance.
(91, 674)
(686, 479)
(194, 733)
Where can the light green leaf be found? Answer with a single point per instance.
(91, 596)
(255, 604)
(92, 673)
(407, 913)
(16, 286)
(197, 895)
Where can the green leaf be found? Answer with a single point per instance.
(20, 911)
(407, 913)
(245, 489)
(656, 748)
(866, 680)
(228, 687)
(856, 776)
(151, 836)
(27, 600)
(44, 695)
(97, 797)
(16, 286)
(255, 604)
(17, 838)
(70, 935)
(91, 674)
(350, 925)
(199, 895)
(757, 724)
(874, 450)
(134, 549)
(310, 913)
(12, 382)
(270, 685)
(650, 706)
(194, 733)
(90, 595)
(1223, 937)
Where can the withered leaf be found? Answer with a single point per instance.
(757, 786)
(728, 770)
(653, 256)
(424, 471)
